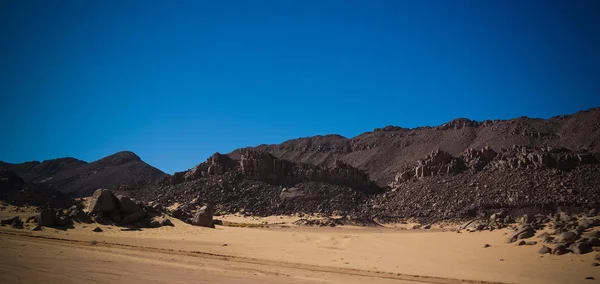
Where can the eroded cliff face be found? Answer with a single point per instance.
(440, 162)
(262, 166)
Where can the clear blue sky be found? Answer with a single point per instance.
(175, 81)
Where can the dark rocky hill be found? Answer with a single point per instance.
(80, 178)
(386, 151)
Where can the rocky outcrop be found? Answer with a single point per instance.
(440, 162)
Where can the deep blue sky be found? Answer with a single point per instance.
(175, 81)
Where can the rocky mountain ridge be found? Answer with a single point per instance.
(79, 178)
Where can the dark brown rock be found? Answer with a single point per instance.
(567, 237)
(46, 218)
(133, 217)
(544, 250)
(560, 250)
(580, 248)
(103, 200)
(204, 217)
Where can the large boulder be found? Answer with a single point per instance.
(46, 218)
(133, 217)
(103, 200)
(204, 217)
(128, 206)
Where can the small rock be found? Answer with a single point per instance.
(8, 221)
(531, 243)
(594, 242)
(560, 250)
(567, 237)
(544, 250)
(581, 248)
(590, 278)
(521, 243)
(486, 246)
(595, 264)
(97, 230)
(37, 228)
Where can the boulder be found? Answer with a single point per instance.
(8, 221)
(17, 223)
(63, 220)
(166, 222)
(46, 218)
(544, 250)
(115, 216)
(560, 250)
(79, 216)
(567, 237)
(204, 217)
(133, 217)
(594, 242)
(522, 232)
(590, 235)
(580, 248)
(128, 206)
(103, 200)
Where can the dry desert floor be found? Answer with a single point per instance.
(278, 254)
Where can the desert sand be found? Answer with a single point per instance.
(278, 254)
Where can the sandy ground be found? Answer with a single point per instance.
(277, 255)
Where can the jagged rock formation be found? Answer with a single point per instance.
(385, 152)
(260, 166)
(79, 178)
(440, 162)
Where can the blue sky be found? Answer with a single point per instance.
(175, 81)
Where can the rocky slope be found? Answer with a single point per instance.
(80, 178)
(386, 151)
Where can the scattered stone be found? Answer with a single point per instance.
(17, 223)
(560, 250)
(79, 216)
(567, 237)
(30, 219)
(167, 222)
(594, 242)
(591, 235)
(544, 250)
(97, 230)
(8, 221)
(581, 248)
(522, 232)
